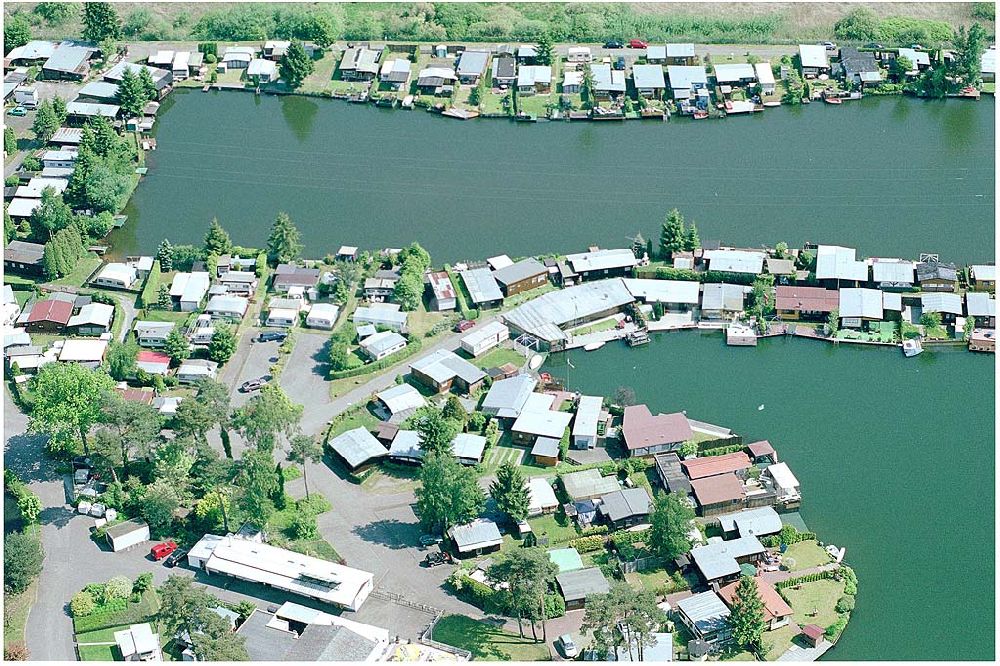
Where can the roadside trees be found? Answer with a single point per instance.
(623, 616)
(135, 426)
(222, 346)
(268, 414)
(22, 561)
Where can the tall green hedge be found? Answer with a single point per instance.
(149, 296)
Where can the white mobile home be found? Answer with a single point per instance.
(485, 338)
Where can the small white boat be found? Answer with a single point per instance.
(760, 408)
(536, 361)
(912, 348)
(593, 346)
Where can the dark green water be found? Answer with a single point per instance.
(891, 176)
(895, 457)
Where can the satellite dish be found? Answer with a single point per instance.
(536, 361)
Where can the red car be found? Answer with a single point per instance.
(464, 325)
(637, 44)
(161, 550)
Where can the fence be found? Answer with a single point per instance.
(399, 599)
(640, 564)
(426, 639)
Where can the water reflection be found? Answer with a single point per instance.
(300, 115)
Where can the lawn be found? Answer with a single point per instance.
(556, 526)
(779, 640)
(651, 581)
(815, 602)
(498, 356)
(15, 613)
(151, 314)
(84, 269)
(498, 455)
(97, 652)
(281, 521)
(357, 417)
(807, 554)
(603, 325)
(487, 642)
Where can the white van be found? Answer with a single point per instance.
(579, 54)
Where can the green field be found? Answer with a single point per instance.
(83, 270)
(487, 642)
(807, 554)
(815, 602)
(498, 356)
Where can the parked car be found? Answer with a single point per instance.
(874, 45)
(252, 385)
(272, 336)
(437, 559)
(464, 325)
(161, 550)
(18, 111)
(429, 540)
(916, 47)
(830, 46)
(174, 558)
(637, 44)
(620, 63)
(568, 646)
(614, 44)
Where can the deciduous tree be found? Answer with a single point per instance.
(16, 32)
(158, 505)
(121, 359)
(671, 522)
(22, 561)
(449, 493)
(258, 482)
(68, 400)
(176, 346)
(268, 414)
(222, 346)
(304, 450)
(436, 431)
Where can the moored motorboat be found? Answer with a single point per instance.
(912, 348)
(593, 346)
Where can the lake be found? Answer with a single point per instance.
(890, 176)
(895, 457)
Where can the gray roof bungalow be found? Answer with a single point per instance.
(597, 264)
(290, 275)
(859, 67)
(720, 561)
(686, 79)
(23, 257)
(480, 536)
(608, 82)
(813, 59)
(739, 74)
(588, 414)
(92, 319)
(578, 584)
(468, 448)
(161, 77)
(982, 306)
(752, 522)
(839, 263)
(948, 304)
(679, 294)
(99, 90)
(893, 273)
(735, 261)
(357, 448)
(482, 287)
(227, 307)
(535, 423)
(504, 71)
(589, 484)
(152, 333)
(443, 369)
(34, 52)
(381, 314)
(405, 447)
(545, 317)
(649, 81)
(672, 476)
(82, 111)
(857, 304)
(196, 369)
(721, 301)
(359, 64)
(706, 616)
(680, 54)
(625, 508)
(395, 73)
(472, 65)
(507, 397)
(68, 62)
(382, 344)
(400, 400)
(521, 276)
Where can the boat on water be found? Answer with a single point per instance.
(912, 348)
(772, 104)
(833, 100)
(593, 346)
(700, 115)
(525, 117)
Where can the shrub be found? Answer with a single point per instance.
(555, 606)
(588, 544)
(835, 629)
(210, 59)
(118, 587)
(82, 604)
(16, 651)
(845, 604)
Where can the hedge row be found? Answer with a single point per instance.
(412, 347)
(809, 578)
(721, 450)
(588, 544)
(144, 611)
(150, 294)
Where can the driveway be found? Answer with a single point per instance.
(251, 361)
(304, 378)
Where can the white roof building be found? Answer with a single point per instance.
(983, 272)
(916, 58)
(322, 315)
(664, 291)
(765, 75)
(22, 207)
(283, 570)
(735, 261)
(860, 303)
(401, 398)
(980, 304)
(542, 422)
(839, 263)
(734, 72)
(93, 314)
(684, 78)
(139, 643)
(544, 316)
(786, 482)
(83, 351)
(120, 274)
(602, 260)
(266, 69)
(648, 77)
(945, 303)
(532, 75)
(190, 287)
(813, 56)
(541, 496)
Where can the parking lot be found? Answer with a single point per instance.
(304, 376)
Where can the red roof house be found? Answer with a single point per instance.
(814, 634)
(717, 494)
(699, 468)
(646, 434)
(49, 316)
(153, 362)
(776, 610)
(792, 301)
